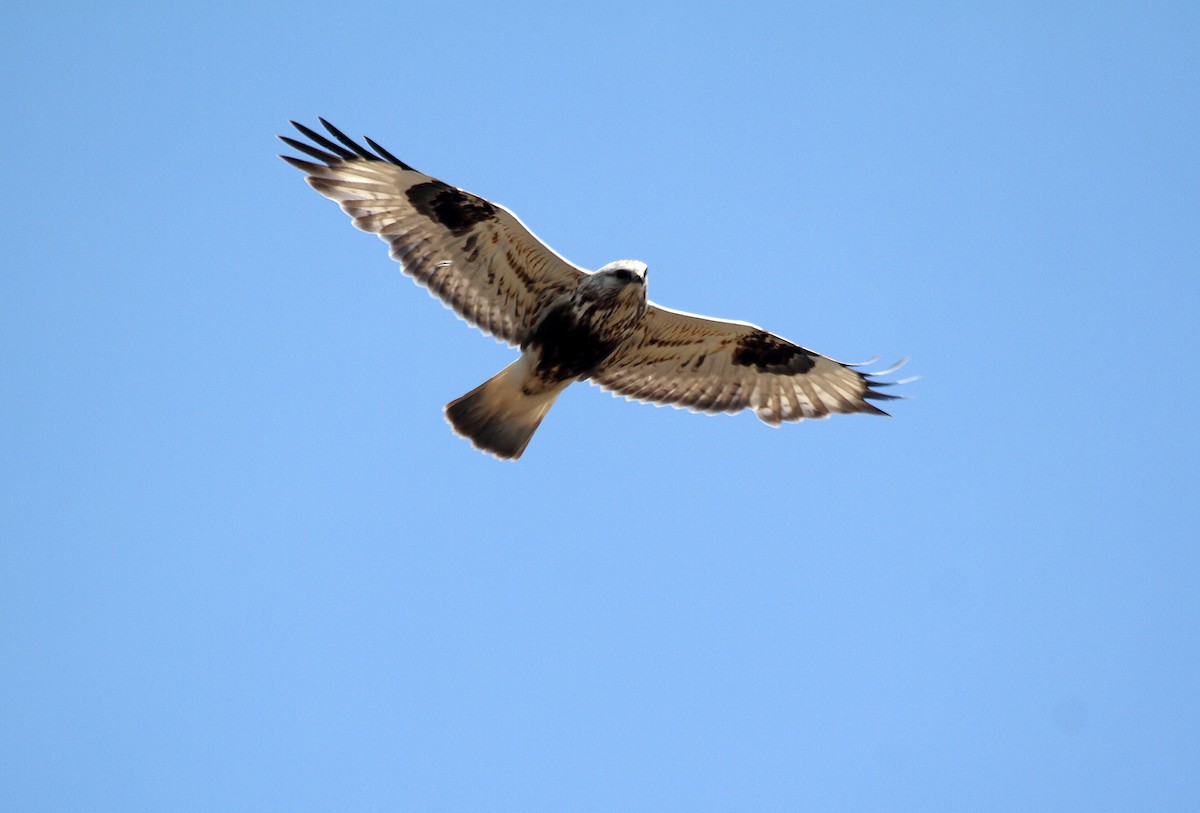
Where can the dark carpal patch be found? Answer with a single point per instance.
(568, 345)
(444, 204)
(772, 354)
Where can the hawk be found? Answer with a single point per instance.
(570, 324)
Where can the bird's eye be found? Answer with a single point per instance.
(624, 274)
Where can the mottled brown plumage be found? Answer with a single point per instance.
(570, 324)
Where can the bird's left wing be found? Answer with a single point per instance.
(474, 255)
(711, 365)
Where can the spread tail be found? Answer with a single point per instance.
(499, 416)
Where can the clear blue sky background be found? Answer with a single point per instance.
(246, 566)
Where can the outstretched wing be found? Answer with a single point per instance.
(475, 256)
(712, 365)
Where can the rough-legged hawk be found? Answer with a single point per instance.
(571, 324)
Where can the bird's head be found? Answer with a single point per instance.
(620, 285)
(623, 272)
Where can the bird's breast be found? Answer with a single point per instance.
(573, 337)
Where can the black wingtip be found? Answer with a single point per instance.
(329, 159)
(333, 147)
(302, 165)
(343, 148)
(873, 382)
(387, 155)
(348, 142)
(876, 395)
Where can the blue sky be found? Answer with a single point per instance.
(247, 566)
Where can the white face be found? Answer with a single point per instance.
(623, 272)
(623, 276)
(623, 281)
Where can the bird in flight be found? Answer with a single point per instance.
(569, 323)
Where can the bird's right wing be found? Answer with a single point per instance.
(474, 255)
(711, 365)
